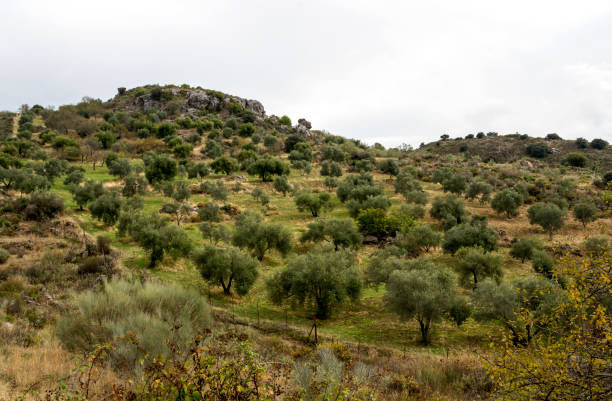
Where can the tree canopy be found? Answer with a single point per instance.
(421, 294)
(251, 232)
(154, 234)
(226, 267)
(320, 281)
(342, 233)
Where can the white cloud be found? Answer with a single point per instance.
(381, 71)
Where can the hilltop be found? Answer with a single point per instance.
(513, 147)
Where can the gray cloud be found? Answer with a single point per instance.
(393, 72)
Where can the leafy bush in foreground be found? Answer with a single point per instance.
(150, 312)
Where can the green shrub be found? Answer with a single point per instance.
(152, 313)
(285, 120)
(209, 212)
(313, 202)
(538, 150)
(581, 143)
(548, 215)
(99, 264)
(599, 143)
(507, 201)
(523, 248)
(469, 235)
(376, 222)
(597, 245)
(450, 211)
(542, 263)
(460, 311)
(43, 205)
(585, 212)
(576, 160)
(4, 255)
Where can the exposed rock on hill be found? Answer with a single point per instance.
(192, 100)
(303, 127)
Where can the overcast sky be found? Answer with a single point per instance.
(392, 72)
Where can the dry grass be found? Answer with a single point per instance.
(41, 368)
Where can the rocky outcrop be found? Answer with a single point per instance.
(146, 103)
(199, 99)
(253, 106)
(303, 127)
(194, 100)
(305, 123)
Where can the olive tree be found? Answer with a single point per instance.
(226, 165)
(251, 232)
(267, 167)
(154, 234)
(105, 138)
(549, 216)
(134, 185)
(474, 264)
(226, 267)
(507, 201)
(455, 184)
(281, 184)
(421, 294)
(87, 192)
(419, 238)
(160, 168)
(389, 166)
(410, 188)
(215, 232)
(480, 190)
(313, 202)
(449, 211)
(342, 233)
(120, 167)
(542, 263)
(383, 262)
(319, 281)
(585, 212)
(330, 169)
(468, 235)
(209, 212)
(357, 187)
(197, 170)
(518, 305)
(106, 208)
(523, 248)
(74, 177)
(179, 210)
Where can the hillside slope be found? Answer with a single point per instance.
(198, 202)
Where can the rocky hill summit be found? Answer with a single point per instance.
(185, 100)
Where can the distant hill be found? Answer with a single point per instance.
(510, 148)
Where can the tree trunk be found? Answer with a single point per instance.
(424, 332)
(226, 288)
(156, 254)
